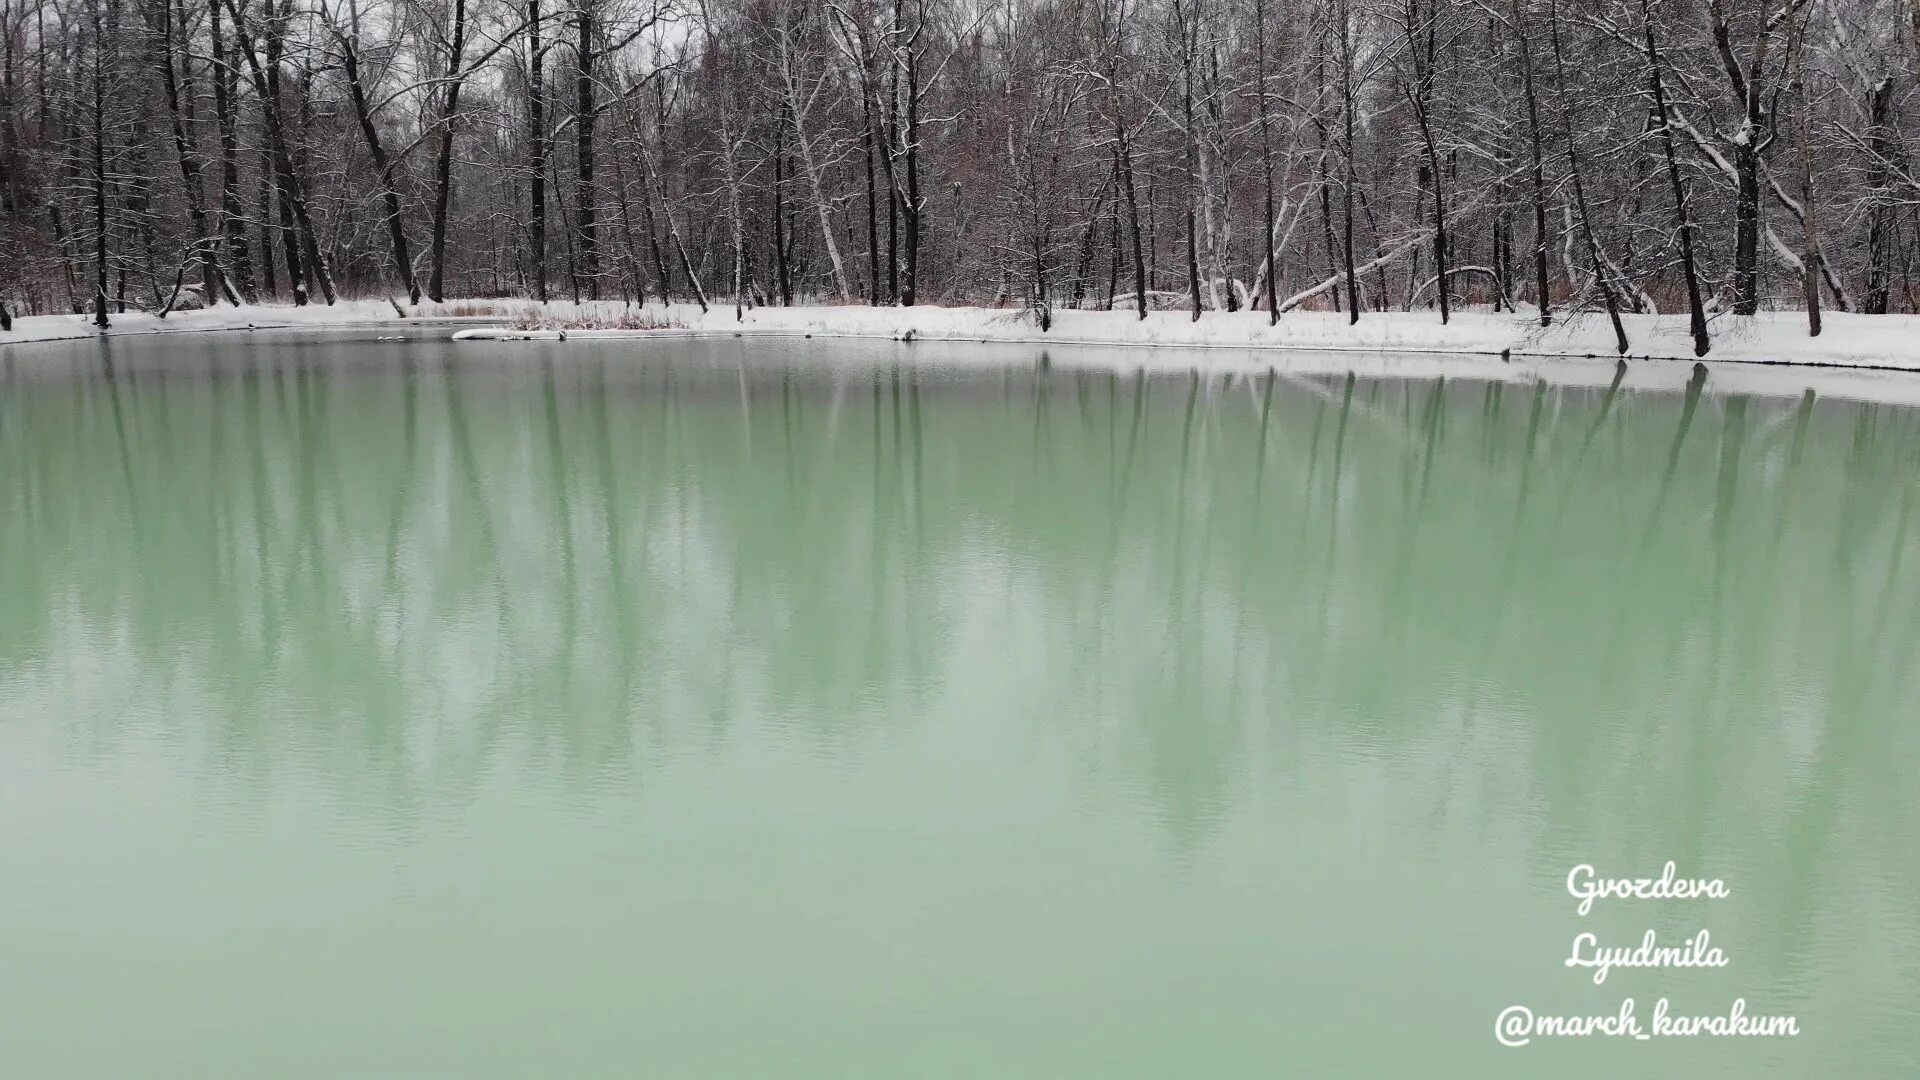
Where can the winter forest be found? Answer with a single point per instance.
(1689, 157)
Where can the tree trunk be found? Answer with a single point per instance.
(626, 224)
(1809, 229)
(1538, 169)
(796, 102)
(537, 155)
(1325, 185)
(269, 223)
(1746, 228)
(1697, 315)
(1187, 141)
(660, 267)
(187, 155)
(783, 278)
(443, 158)
(911, 206)
(1749, 143)
(1422, 37)
(295, 223)
(1266, 158)
(283, 179)
(873, 193)
(585, 110)
(673, 230)
(1083, 262)
(1600, 278)
(389, 185)
(1351, 178)
(736, 213)
(232, 216)
(1879, 217)
(99, 118)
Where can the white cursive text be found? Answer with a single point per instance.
(1697, 952)
(1586, 886)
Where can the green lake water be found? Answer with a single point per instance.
(764, 709)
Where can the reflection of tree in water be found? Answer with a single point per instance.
(1582, 609)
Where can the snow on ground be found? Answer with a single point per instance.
(1872, 358)
(251, 317)
(1474, 344)
(1891, 341)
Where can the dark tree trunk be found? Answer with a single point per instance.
(1809, 225)
(910, 204)
(673, 230)
(1113, 255)
(1083, 262)
(232, 216)
(626, 226)
(289, 233)
(1600, 277)
(873, 191)
(1880, 216)
(1043, 306)
(1536, 166)
(1187, 144)
(389, 185)
(1133, 221)
(894, 196)
(777, 218)
(443, 160)
(1746, 228)
(585, 198)
(1683, 219)
(663, 278)
(1325, 185)
(1422, 38)
(187, 155)
(1350, 176)
(1503, 234)
(269, 227)
(1266, 159)
(271, 116)
(1749, 144)
(537, 156)
(99, 118)
(294, 221)
(660, 265)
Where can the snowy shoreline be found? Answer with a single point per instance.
(1882, 352)
(1883, 342)
(1890, 342)
(30, 329)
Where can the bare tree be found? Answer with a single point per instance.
(1749, 79)
(1192, 153)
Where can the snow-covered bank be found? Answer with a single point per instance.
(1879, 341)
(251, 317)
(1886, 341)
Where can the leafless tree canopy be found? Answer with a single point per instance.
(1707, 157)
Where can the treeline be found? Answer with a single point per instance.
(1701, 156)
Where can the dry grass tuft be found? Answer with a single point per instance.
(470, 309)
(534, 318)
(517, 314)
